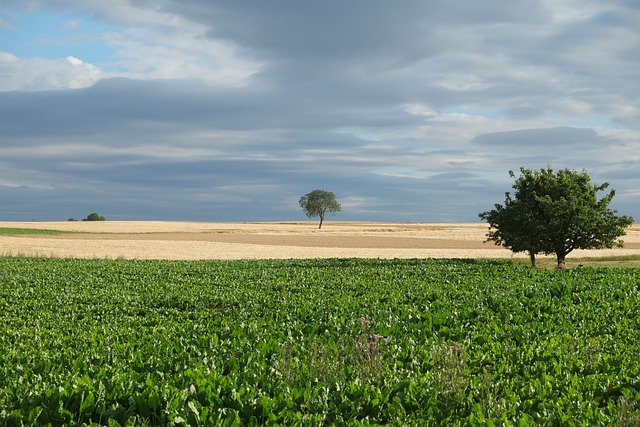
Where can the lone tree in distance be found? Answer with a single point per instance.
(555, 213)
(318, 203)
(94, 217)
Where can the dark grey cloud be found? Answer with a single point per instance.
(338, 29)
(559, 136)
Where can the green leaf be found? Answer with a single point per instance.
(87, 404)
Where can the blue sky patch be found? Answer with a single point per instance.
(54, 35)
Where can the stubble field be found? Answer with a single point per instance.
(266, 240)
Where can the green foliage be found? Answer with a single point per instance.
(94, 217)
(318, 203)
(555, 213)
(316, 342)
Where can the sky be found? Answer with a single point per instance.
(226, 110)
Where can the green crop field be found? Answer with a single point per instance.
(9, 231)
(317, 342)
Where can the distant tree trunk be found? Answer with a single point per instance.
(532, 258)
(561, 262)
(321, 219)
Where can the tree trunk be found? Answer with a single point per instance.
(561, 263)
(321, 219)
(532, 257)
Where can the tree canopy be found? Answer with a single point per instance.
(94, 217)
(318, 202)
(555, 213)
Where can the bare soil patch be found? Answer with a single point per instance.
(210, 240)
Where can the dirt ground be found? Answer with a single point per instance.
(284, 240)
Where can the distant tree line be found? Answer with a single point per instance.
(91, 217)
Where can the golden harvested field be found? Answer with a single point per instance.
(251, 240)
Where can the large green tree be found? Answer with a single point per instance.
(555, 213)
(319, 203)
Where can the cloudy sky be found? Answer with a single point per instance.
(231, 110)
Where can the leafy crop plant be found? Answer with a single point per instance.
(316, 342)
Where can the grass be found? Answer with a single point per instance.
(9, 231)
(626, 261)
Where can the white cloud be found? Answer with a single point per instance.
(570, 11)
(74, 61)
(9, 184)
(7, 57)
(179, 52)
(45, 74)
